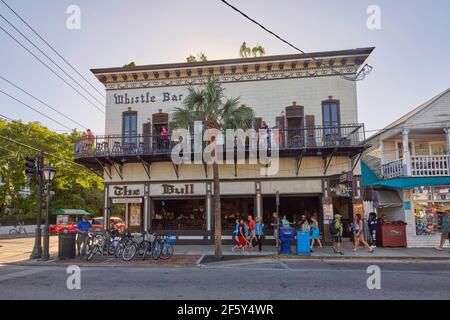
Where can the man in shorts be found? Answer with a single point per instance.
(338, 235)
(275, 223)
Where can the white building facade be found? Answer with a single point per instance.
(418, 176)
(314, 108)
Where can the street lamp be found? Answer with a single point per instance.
(49, 173)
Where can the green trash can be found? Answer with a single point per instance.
(66, 245)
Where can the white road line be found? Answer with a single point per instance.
(20, 274)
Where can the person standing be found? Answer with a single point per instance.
(251, 227)
(285, 222)
(338, 231)
(241, 241)
(259, 232)
(275, 223)
(236, 229)
(83, 227)
(315, 233)
(445, 231)
(358, 233)
(372, 225)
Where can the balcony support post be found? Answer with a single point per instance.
(406, 152)
(298, 161)
(147, 166)
(447, 139)
(106, 169)
(327, 162)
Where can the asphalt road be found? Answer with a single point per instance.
(262, 280)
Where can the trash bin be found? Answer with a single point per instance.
(392, 234)
(66, 245)
(286, 235)
(303, 243)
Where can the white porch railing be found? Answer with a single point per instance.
(421, 166)
(392, 169)
(430, 166)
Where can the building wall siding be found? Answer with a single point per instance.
(267, 97)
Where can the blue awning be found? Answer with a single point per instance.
(369, 179)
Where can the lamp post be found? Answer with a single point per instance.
(37, 249)
(48, 173)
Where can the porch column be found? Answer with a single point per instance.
(447, 139)
(106, 207)
(208, 207)
(406, 153)
(147, 220)
(258, 210)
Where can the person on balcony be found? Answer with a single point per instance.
(165, 135)
(87, 140)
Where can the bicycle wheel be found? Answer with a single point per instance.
(119, 250)
(144, 254)
(13, 232)
(92, 252)
(156, 250)
(129, 252)
(166, 251)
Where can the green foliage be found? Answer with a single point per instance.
(129, 65)
(202, 57)
(191, 59)
(74, 186)
(246, 52)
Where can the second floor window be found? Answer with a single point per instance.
(331, 116)
(129, 127)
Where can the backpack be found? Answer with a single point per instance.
(332, 227)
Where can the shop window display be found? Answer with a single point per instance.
(430, 203)
(179, 214)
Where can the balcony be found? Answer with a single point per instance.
(421, 166)
(345, 140)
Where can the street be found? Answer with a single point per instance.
(285, 279)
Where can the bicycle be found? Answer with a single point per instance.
(164, 246)
(99, 243)
(130, 250)
(150, 246)
(18, 230)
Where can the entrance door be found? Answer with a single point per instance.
(135, 216)
(344, 206)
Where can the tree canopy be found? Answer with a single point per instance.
(74, 186)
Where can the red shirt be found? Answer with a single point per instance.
(251, 225)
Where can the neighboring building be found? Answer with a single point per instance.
(316, 110)
(412, 184)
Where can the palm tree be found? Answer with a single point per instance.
(244, 51)
(258, 49)
(191, 59)
(202, 57)
(209, 105)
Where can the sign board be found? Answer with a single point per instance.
(62, 219)
(177, 189)
(126, 200)
(131, 190)
(340, 185)
(328, 211)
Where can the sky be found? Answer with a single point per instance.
(411, 60)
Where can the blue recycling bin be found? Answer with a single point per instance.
(286, 235)
(303, 243)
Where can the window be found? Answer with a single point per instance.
(331, 116)
(400, 149)
(437, 149)
(129, 127)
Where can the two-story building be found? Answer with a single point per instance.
(314, 106)
(412, 184)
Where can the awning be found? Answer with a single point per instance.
(386, 199)
(370, 179)
(73, 212)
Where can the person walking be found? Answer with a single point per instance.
(445, 231)
(358, 234)
(236, 230)
(315, 232)
(259, 233)
(372, 225)
(83, 227)
(275, 224)
(241, 241)
(285, 222)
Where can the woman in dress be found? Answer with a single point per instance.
(358, 232)
(315, 233)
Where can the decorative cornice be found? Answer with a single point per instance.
(235, 70)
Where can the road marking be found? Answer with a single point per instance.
(284, 265)
(199, 260)
(20, 274)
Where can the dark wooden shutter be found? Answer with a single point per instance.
(294, 122)
(310, 131)
(147, 132)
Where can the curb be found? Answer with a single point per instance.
(312, 258)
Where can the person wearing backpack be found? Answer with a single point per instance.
(336, 229)
(259, 233)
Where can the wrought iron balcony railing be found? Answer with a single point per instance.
(344, 136)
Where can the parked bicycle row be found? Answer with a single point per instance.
(126, 245)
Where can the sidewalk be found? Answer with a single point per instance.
(17, 251)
